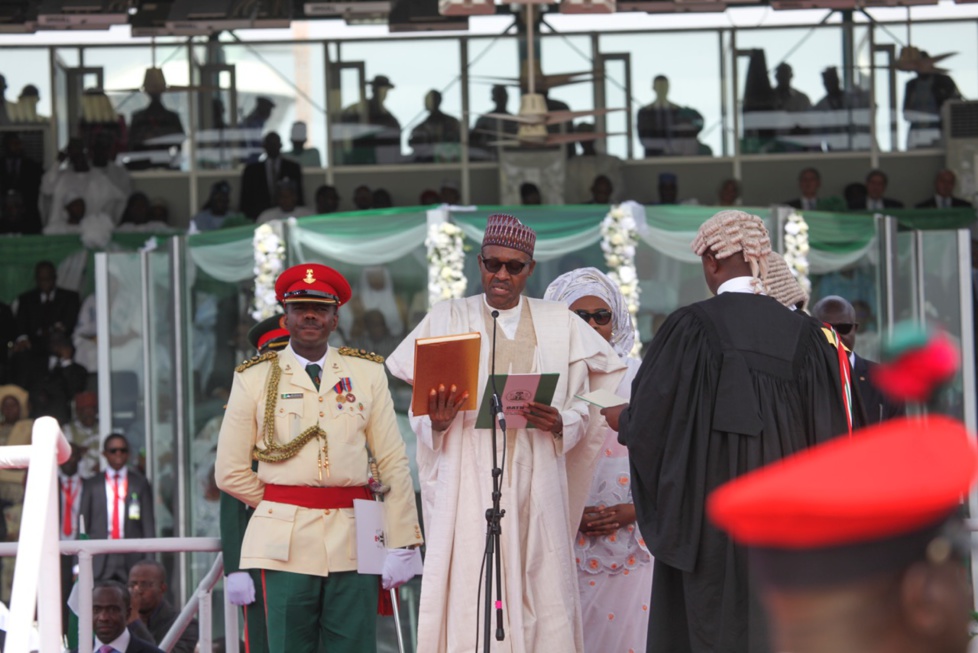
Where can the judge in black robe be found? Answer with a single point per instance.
(728, 385)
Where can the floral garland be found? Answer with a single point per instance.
(269, 263)
(446, 257)
(796, 249)
(619, 234)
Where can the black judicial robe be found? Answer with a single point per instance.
(728, 385)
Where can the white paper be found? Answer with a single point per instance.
(372, 539)
(603, 398)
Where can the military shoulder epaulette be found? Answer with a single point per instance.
(830, 336)
(361, 353)
(254, 360)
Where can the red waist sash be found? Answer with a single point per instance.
(319, 498)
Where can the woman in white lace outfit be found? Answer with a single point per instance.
(614, 566)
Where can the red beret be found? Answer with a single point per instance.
(854, 507)
(312, 282)
(884, 481)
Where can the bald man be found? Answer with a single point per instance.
(841, 316)
(728, 385)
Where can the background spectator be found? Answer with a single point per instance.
(259, 179)
(327, 200)
(117, 505)
(21, 174)
(147, 583)
(876, 182)
(943, 197)
(307, 157)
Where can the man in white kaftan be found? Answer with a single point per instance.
(547, 470)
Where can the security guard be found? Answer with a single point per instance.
(269, 335)
(308, 415)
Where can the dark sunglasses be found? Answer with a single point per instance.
(844, 328)
(601, 317)
(494, 265)
(117, 450)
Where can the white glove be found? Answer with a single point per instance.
(240, 588)
(397, 567)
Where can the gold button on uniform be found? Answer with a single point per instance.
(326, 512)
(322, 414)
(320, 400)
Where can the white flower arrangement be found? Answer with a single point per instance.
(796, 249)
(269, 263)
(619, 235)
(446, 258)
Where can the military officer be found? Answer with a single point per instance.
(269, 335)
(308, 415)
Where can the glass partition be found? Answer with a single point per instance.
(493, 88)
(675, 102)
(793, 92)
(147, 121)
(396, 102)
(920, 84)
(275, 85)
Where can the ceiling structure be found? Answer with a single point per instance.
(202, 17)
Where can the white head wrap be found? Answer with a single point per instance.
(592, 282)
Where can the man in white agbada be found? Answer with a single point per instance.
(547, 470)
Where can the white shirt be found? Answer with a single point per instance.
(75, 483)
(509, 318)
(120, 643)
(110, 500)
(738, 284)
(875, 205)
(808, 203)
(306, 362)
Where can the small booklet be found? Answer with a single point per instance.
(372, 538)
(514, 391)
(602, 398)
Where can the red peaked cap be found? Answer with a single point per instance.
(884, 482)
(269, 330)
(312, 282)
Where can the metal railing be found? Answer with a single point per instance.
(39, 549)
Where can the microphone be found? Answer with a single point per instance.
(497, 404)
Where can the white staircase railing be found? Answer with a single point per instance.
(38, 551)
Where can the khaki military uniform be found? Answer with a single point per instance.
(300, 540)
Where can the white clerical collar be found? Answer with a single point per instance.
(738, 284)
(306, 362)
(509, 318)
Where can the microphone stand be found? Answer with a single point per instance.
(494, 514)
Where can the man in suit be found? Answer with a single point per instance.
(44, 307)
(302, 533)
(876, 182)
(20, 173)
(944, 193)
(259, 180)
(840, 314)
(117, 505)
(52, 379)
(147, 583)
(111, 607)
(809, 181)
